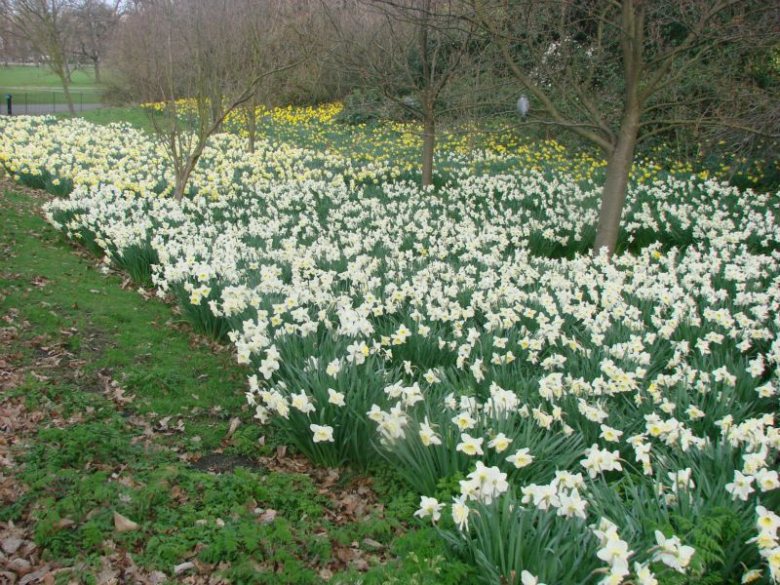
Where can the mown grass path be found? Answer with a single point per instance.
(127, 453)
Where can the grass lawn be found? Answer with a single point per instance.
(35, 85)
(133, 115)
(120, 460)
(20, 77)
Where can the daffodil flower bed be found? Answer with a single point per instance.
(564, 418)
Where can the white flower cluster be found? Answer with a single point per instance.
(461, 326)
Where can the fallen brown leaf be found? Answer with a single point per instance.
(11, 544)
(19, 566)
(325, 574)
(234, 423)
(36, 576)
(183, 568)
(63, 523)
(268, 516)
(123, 524)
(371, 543)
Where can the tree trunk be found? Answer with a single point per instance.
(428, 98)
(96, 62)
(429, 143)
(251, 123)
(613, 196)
(66, 91)
(183, 177)
(216, 110)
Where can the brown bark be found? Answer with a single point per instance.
(429, 144)
(251, 113)
(183, 175)
(66, 92)
(613, 195)
(429, 123)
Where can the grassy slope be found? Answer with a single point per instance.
(77, 345)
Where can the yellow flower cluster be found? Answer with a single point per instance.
(461, 147)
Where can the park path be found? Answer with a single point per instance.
(41, 109)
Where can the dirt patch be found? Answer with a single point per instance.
(224, 463)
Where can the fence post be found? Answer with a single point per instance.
(53, 102)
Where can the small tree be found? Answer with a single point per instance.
(267, 49)
(613, 72)
(94, 22)
(412, 51)
(45, 25)
(199, 58)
